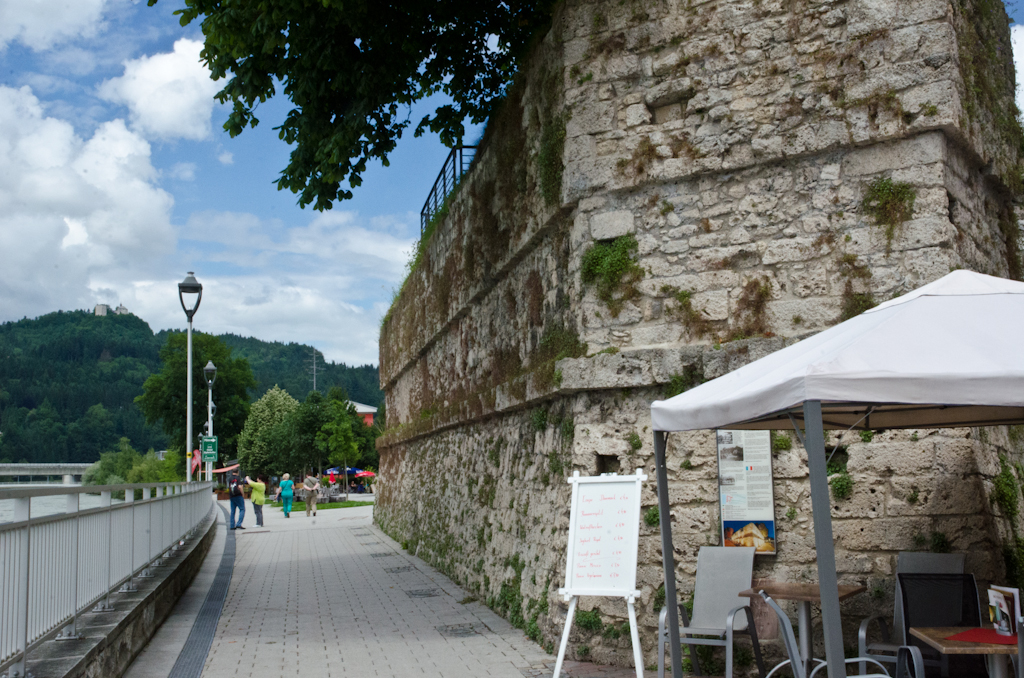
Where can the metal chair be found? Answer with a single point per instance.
(722, 573)
(942, 600)
(907, 562)
(904, 655)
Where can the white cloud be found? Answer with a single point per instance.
(183, 171)
(72, 209)
(226, 158)
(168, 95)
(1017, 43)
(40, 24)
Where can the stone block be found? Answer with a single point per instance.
(610, 225)
(899, 459)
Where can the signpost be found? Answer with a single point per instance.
(746, 495)
(208, 445)
(604, 532)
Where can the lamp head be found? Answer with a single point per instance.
(210, 371)
(190, 290)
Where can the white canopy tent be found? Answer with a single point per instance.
(948, 354)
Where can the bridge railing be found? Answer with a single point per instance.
(55, 567)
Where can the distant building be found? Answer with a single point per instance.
(105, 309)
(365, 411)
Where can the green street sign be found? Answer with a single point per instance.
(208, 446)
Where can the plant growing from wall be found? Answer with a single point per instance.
(652, 517)
(842, 485)
(678, 383)
(854, 303)
(751, 318)
(891, 204)
(635, 443)
(781, 442)
(611, 267)
(549, 159)
(589, 620)
(697, 325)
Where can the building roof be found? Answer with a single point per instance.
(363, 409)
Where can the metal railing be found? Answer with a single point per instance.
(455, 166)
(55, 567)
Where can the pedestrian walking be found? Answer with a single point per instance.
(310, 485)
(286, 492)
(237, 499)
(258, 498)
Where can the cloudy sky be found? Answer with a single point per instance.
(116, 178)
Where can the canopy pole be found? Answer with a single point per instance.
(667, 554)
(821, 505)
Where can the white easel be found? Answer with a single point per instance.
(604, 533)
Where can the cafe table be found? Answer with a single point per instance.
(804, 594)
(937, 637)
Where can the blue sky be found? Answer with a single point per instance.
(116, 178)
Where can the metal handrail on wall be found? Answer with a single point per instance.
(455, 166)
(55, 567)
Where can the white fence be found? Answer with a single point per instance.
(55, 567)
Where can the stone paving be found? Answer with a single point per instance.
(334, 596)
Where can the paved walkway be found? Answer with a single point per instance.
(334, 596)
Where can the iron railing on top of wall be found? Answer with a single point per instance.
(55, 567)
(455, 166)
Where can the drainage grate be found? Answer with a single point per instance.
(381, 555)
(423, 593)
(396, 570)
(460, 630)
(192, 657)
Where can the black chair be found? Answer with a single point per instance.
(942, 600)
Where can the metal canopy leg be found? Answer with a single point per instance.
(667, 554)
(824, 545)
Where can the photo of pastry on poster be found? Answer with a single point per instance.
(745, 490)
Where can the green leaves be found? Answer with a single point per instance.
(611, 267)
(350, 67)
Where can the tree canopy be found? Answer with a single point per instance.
(352, 69)
(163, 398)
(261, 443)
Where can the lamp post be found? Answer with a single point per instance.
(211, 375)
(190, 288)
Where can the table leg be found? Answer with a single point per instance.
(804, 626)
(997, 666)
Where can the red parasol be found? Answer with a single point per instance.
(365, 474)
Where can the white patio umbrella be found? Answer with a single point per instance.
(947, 354)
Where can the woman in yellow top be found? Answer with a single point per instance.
(259, 496)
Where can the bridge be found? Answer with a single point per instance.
(322, 595)
(67, 471)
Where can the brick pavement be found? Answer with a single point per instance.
(334, 596)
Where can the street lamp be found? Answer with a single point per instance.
(211, 375)
(189, 288)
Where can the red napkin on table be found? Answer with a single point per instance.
(983, 635)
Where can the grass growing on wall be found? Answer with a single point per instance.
(611, 267)
(891, 204)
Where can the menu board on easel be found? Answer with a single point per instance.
(604, 534)
(745, 489)
(604, 526)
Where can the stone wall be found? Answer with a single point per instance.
(768, 169)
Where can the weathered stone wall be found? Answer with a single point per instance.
(743, 144)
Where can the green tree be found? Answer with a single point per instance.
(300, 431)
(336, 438)
(348, 67)
(260, 448)
(150, 469)
(163, 394)
(113, 467)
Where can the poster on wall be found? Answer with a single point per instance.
(745, 490)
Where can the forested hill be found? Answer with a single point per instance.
(68, 381)
(290, 367)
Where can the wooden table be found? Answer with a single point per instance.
(935, 636)
(804, 594)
